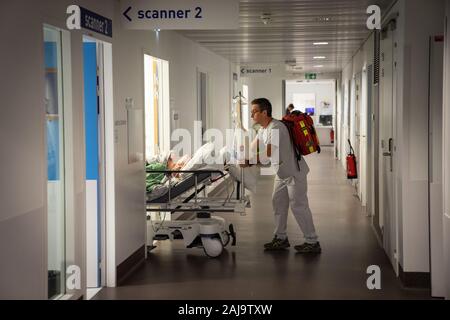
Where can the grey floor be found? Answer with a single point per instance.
(247, 272)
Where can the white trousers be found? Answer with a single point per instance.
(293, 192)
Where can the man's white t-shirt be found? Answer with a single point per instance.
(283, 159)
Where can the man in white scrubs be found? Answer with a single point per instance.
(290, 186)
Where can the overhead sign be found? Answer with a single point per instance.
(180, 14)
(80, 17)
(261, 70)
(310, 76)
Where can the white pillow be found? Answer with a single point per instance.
(198, 160)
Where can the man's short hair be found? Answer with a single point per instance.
(264, 105)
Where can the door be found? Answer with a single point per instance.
(94, 130)
(357, 131)
(387, 143)
(341, 131)
(368, 139)
(56, 162)
(435, 172)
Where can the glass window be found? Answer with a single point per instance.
(157, 116)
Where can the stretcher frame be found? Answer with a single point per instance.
(206, 231)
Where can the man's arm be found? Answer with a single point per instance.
(255, 146)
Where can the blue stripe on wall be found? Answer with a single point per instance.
(90, 110)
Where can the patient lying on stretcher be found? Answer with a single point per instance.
(205, 158)
(163, 163)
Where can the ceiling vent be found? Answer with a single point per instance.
(266, 18)
(376, 58)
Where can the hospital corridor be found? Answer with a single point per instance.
(247, 272)
(186, 152)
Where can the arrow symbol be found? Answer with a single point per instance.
(126, 14)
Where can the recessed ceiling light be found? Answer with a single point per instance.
(323, 19)
(319, 66)
(319, 57)
(320, 43)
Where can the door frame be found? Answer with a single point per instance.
(435, 185)
(107, 134)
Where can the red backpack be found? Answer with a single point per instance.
(303, 134)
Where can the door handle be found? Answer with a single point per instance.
(389, 154)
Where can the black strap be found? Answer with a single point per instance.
(351, 148)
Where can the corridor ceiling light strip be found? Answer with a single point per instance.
(320, 43)
(319, 58)
(319, 66)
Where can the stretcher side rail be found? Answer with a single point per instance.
(183, 204)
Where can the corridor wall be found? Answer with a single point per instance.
(416, 22)
(23, 209)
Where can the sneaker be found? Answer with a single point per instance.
(277, 244)
(309, 248)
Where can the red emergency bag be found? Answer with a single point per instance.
(351, 163)
(303, 133)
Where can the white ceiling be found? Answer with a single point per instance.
(294, 27)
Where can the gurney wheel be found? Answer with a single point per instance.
(213, 247)
(226, 238)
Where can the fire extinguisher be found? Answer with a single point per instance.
(332, 136)
(351, 163)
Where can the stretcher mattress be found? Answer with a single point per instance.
(180, 188)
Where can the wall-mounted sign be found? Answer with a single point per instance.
(179, 14)
(258, 71)
(80, 17)
(310, 76)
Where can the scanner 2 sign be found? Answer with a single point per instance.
(180, 14)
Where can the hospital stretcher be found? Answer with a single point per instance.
(206, 231)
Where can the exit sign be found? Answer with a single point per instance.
(310, 76)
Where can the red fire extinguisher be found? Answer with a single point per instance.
(351, 163)
(332, 136)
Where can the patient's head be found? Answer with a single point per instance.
(176, 165)
(172, 165)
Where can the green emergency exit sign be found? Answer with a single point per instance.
(310, 76)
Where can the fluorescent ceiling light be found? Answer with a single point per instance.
(320, 43)
(319, 57)
(319, 66)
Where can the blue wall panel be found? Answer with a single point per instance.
(90, 110)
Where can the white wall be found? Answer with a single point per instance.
(269, 87)
(416, 22)
(422, 21)
(23, 208)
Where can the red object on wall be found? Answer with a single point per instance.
(351, 164)
(332, 136)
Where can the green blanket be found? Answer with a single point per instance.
(154, 179)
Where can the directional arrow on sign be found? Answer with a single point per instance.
(126, 14)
